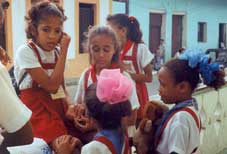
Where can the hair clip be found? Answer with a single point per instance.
(131, 19)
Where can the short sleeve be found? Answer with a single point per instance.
(80, 92)
(26, 58)
(13, 113)
(133, 98)
(144, 56)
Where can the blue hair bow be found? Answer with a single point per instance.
(197, 57)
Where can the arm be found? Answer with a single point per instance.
(52, 83)
(146, 77)
(20, 137)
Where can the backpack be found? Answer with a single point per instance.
(14, 82)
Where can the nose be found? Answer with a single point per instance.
(101, 54)
(52, 35)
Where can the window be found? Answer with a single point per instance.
(86, 19)
(126, 5)
(202, 32)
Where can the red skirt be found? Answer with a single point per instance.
(142, 94)
(47, 115)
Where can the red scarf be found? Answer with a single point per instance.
(125, 49)
(93, 71)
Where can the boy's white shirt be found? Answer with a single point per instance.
(181, 134)
(13, 113)
(80, 93)
(144, 57)
(26, 58)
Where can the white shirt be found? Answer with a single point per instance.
(80, 93)
(13, 113)
(144, 57)
(181, 134)
(95, 147)
(26, 58)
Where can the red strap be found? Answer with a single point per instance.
(133, 58)
(126, 47)
(107, 142)
(44, 65)
(126, 148)
(190, 111)
(91, 71)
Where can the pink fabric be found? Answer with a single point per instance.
(113, 87)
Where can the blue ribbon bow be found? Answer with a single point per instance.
(197, 57)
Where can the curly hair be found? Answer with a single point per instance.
(181, 71)
(108, 115)
(41, 11)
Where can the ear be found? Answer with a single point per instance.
(183, 87)
(33, 30)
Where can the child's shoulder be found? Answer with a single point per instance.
(24, 47)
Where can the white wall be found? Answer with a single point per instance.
(69, 26)
(18, 23)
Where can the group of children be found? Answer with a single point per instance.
(111, 92)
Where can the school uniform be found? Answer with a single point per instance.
(87, 79)
(13, 113)
(181, 132)
(48, 114)
(107, 142)
(137, 57)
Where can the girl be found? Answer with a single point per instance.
(179, 129)
(103, 50)
(43, 89)
(135, 56)
(107, 102)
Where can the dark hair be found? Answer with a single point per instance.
(107, 115)
(41, 11)
(131, 23)
(102, 30)
(181, 71)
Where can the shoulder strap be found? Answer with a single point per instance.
(22, 78)
(33, 47)
(107, 142)
(133, 57)
(190, 111)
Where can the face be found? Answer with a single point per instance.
(168, 90)
(120, 31)
(102, 50)
(49, 32)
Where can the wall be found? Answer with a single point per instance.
(211, 11)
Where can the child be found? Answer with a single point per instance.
(103, 50)
(43, 90)
(135, 56)
(107, 103)
(179, 130)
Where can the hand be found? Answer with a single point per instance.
(66, 144)
(4, 58)
(74, 111)
(64, 42)
(84, 124)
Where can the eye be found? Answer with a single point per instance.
(45, 29)
(95, 48)
(58, 31)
